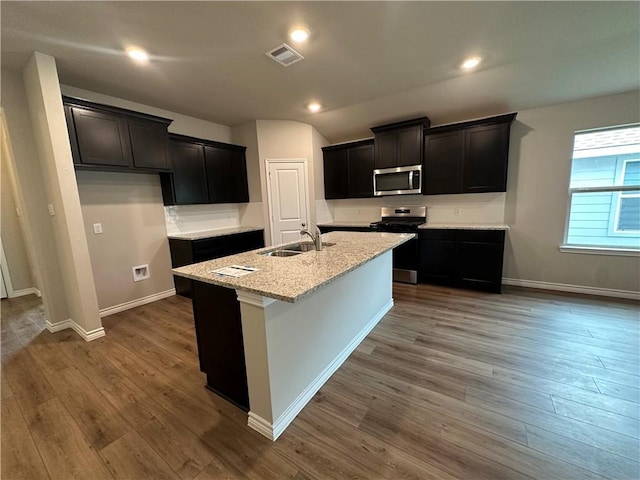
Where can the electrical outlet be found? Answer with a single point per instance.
(97, 228)
(52, 212)
(457, 211)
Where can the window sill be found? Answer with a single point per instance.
(621, 252)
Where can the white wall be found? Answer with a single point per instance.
(52, 142)
(537, 195)
(282, 139)
(30, 178)
(129, 208)
(11, 229)
(251, 214)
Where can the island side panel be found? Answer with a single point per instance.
(308, 340)
(216, 312)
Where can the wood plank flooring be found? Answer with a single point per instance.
(451, 384)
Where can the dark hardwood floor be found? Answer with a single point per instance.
(450, 384)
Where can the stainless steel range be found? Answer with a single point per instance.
(405, 257)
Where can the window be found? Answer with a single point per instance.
(604, 189)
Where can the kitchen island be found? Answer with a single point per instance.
(291, 323)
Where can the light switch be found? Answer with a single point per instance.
(52, 212)
(97, 228)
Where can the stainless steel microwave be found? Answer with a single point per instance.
(397, 181)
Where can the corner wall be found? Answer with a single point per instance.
(13, 239)
(284, 139)
(52, 141)
(29, 175)
(537, 197)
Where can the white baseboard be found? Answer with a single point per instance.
(136, 303)
(260, 425)
(25, 291)
(68, 323)
(563, 287)
(273, 431)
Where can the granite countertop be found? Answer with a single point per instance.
(212, 233)
(345, 224)
(290, 278)
(464, 226)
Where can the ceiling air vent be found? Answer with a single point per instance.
(284, 55)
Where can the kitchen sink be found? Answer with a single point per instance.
(281, 253)
(295, 249)
(306, 246)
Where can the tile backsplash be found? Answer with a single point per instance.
(463, 208)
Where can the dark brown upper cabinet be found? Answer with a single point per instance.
(348, 170)
(467, 157)
(205, 171)
(110, 138)
(399, 144)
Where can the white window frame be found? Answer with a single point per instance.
(619, 189)
(615, 217)
(616, 230)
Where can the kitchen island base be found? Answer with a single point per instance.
(291, 349)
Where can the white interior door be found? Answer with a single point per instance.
(288, 202)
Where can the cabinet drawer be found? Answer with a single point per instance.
(244, 242)
(485, 236)
(428, 234)
(208, 248)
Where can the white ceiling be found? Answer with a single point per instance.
(368, 63)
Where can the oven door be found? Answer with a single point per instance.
(397, 181)
(405, 262)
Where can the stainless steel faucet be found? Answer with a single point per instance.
(317, 238)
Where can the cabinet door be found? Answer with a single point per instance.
(335, 174)
(217, 165)
(209, 248)
(479, 265)
(360, 163)
(244, 242)
(238, 182)
(409, 146)
(485, 160)
(479, 259)
(437, 261)
(189, 179)
(386, 149)
(73, 138)
(103, 138)
(443, 163)
(149, 144)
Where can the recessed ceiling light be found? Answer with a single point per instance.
(138, 55)
(314, 107)
(299, 35)
(470, 63)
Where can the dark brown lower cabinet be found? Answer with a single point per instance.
(462, 258)
(185, 252)
(216, 312)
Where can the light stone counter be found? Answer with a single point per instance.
(212, 233)
(291, 278)
(463, 226)
(345, 224)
